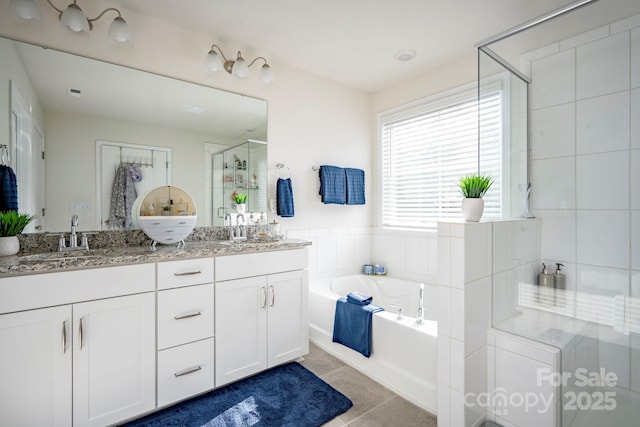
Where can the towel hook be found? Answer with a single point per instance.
(281, 166)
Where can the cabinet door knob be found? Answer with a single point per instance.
(264, 297)
(188, 371)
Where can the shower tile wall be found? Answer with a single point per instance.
(585, 171)
(342, 251)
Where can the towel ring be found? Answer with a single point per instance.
(282, 166)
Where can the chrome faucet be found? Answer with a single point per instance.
(420, 314)
(73, 237)
(241, 230)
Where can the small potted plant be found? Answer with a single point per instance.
(473, 188)
(240, 200)
(166, 210)
(11, 224)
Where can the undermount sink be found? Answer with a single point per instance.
(249, 241)
(56, 256)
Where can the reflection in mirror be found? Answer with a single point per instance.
(71, 102)
(240, 170)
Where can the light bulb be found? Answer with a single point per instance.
(214, 63)
(240, 68)
(74, 19)
(24, 10)
(119, 31)
(266, 74)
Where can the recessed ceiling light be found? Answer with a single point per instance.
(405, 55)
(193, 109)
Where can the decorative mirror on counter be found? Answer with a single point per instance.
(166, 214)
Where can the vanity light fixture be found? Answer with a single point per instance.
(239, 67)
(72, 17)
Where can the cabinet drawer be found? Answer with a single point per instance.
(172, 221)
(185, 371)
(185, 315)
(173, 274)
(257, 264)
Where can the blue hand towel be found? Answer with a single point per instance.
(352, 325)
(355, 186)
(284, 195)
(332, 185)
(359, 298)
(8, 189)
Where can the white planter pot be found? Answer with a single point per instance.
(9, 245)
(472, 209)
(241, 208)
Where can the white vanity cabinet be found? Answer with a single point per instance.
(261, 312)
(89, 358)
(35, 367)
(185, 329)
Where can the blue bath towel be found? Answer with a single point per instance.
(355, 186)
(359, 298)
(333, 186)
(284, 196)
(352, 325)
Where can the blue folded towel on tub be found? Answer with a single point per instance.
(352, 325)
(359, 298)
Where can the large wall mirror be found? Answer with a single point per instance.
(67, 103)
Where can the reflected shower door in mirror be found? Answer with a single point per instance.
(78, 101)
(236, 171)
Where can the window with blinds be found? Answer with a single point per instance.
(426, 148)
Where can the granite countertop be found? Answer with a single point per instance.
(48, 262)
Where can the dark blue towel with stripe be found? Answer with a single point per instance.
(355, 186)
(284, 196)
(352, 325)
(8, 189)
(333, 186)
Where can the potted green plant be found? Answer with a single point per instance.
(473, 188)
(11, 224)
(240, 200)
(166, 210)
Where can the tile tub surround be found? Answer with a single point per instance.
(123, 255)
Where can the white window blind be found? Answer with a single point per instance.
(427, 148)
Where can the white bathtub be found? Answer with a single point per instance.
(404, 352)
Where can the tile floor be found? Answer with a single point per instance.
(373, 404)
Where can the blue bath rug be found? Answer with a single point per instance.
(287, 395)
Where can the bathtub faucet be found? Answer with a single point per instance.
(400, 312)
(420, 315)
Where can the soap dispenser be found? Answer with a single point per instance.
(560, 285)
(545, 285)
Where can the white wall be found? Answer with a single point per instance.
(311, 120)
